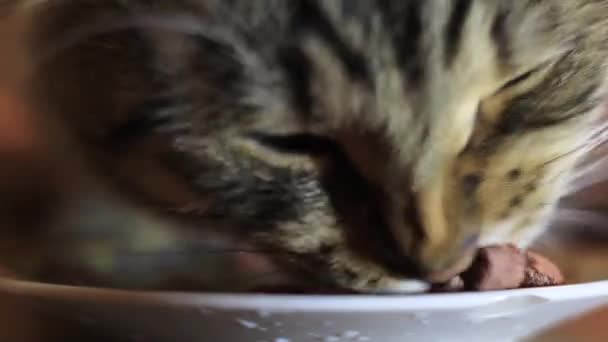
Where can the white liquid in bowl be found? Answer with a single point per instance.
(168, 316)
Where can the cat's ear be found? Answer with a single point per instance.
(235, 79)
(235, 71)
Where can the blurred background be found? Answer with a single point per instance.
(46, 192)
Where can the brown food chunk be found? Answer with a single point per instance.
(499, 267)
(541, 272)
(295, 290)
(505, 267)
(496, 268)
(455, 284)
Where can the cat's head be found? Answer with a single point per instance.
(364, 142)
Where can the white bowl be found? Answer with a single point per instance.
(176, 317)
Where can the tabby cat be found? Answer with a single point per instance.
(367, 144)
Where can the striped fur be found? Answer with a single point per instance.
(372, 140)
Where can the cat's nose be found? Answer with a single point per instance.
(447, 235)
(443, 269)
(445, 274)
(469, 242)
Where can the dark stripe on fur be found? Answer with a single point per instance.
(297, 143)
(454, 28)
(298, 69)
(518, 119)
(402, 19)
(500, 36)
(143, 121)
(309, 17)
(367, 230)
(240, 197)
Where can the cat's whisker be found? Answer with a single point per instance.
(601, 131)
(210, 72)
(586, 182)
(586, 174)
(255, 276)
(565, 154)
(589, 174)
(548, 242)
(596, 139)
(204, 251)
(583, 219)
(586, 169)
(172, 22)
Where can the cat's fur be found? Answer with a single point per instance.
(365, 141)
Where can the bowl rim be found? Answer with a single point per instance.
(300, 303)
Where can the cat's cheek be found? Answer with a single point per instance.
(19, 131)
(499, 232)
(521, 231)
(533, 228)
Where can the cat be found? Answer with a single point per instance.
(372, 145)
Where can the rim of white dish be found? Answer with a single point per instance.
(301, 303)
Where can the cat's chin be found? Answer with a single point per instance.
(409, 286)
(396, 287)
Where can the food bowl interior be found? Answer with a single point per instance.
(39, 309)
(38, 306)
(82, 312)
(119, 315)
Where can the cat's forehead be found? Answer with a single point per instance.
(429, 63)
(426, 48)
(382, 60)
(520, 32)
(421, 47)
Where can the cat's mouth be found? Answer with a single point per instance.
(497, 267)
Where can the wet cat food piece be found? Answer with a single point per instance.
(496, 268)
(456, 284)
(500, 267)
(294, 290)
(541, 272)
(508, 267)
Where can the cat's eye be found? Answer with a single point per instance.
(146, 118)
(522, 77)
(536, 72)
(132, 130)
(300, 143)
